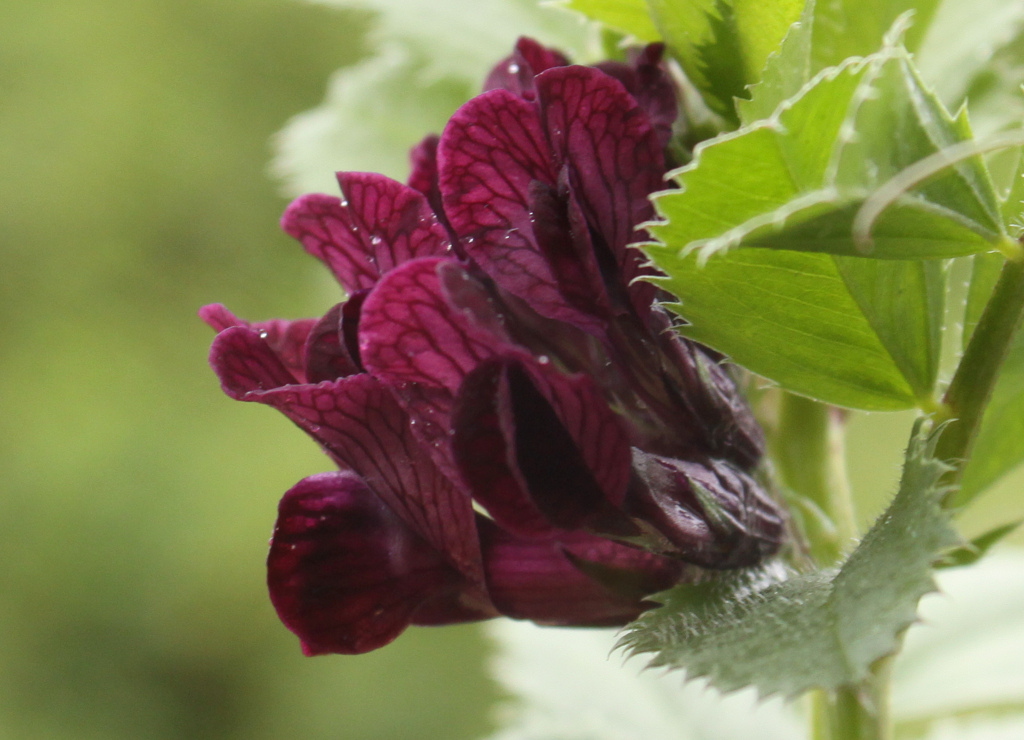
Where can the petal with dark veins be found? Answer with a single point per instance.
(378, 224)
(411, 333)
(360, 424)
(490, 155)
(286, 338)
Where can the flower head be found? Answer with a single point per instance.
(518, 430)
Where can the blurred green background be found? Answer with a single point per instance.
(136, 499)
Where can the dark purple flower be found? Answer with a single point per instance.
(519, 430)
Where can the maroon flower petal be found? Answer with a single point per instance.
(577, 580)
(423, 158)
(490, 154)
(286, 338)
(246, 364)
(345, 573)
(361, 425)
(515, 73)
(379, 224)
(611, 149)
(645, 78)
(540, 449)
(327, 357)
(411, 333)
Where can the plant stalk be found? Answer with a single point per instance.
(809, 450)
(971, 388)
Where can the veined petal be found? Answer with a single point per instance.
(491, 154)
(411, 333)
(361, 425)
(286, 338)
(345, 573)
(423, 174)
(515, 73)
(645, 79)
(378, 224)
(600, 132)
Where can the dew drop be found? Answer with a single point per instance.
(344, 203)
(513, 68)
(543, 359)
(264, 334)
(375, 240)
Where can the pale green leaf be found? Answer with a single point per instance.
(960, 41)
(999, 447)
(566, 684)
(965, 655)
(971, 552)
(463, 39)
(847, 28)
(820, 629)
(373, 114)
(723, 44)
(984, 273)
(628, 16)
(994, 98)
(429, 59)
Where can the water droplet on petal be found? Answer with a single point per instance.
(513, 68)
(375, 240)
(264, 334)
(543, 359)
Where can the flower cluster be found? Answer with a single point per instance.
(518, 430)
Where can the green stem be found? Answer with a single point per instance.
(862, 711)
(969, 393)
(858, 712)
(809, 451)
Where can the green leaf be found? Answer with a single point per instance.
(902, 302)
(847, 28)
(791, 317)
(999, 447)
(985, 270)
(796, 181)
(822, 629)
(723, 45)
(787, 70)
(973, 551)
(628, 16)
